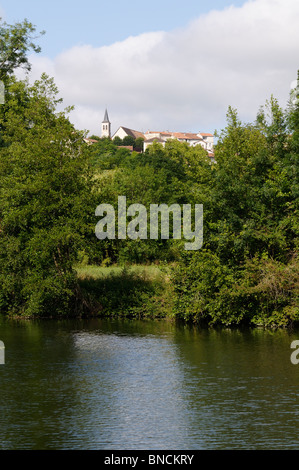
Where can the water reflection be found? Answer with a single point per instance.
(242, 387)
(100, 384)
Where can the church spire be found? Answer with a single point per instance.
(106, 118)
(106, 125)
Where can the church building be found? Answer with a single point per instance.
(206, 140)
(106, 126)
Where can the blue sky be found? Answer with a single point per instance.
(99, 23)
(164, 65)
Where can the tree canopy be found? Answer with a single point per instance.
(16, 41)
(51, 182)
(45, 196)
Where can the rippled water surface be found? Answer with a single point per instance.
(100, 384)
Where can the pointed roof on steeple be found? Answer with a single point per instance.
(106, 118)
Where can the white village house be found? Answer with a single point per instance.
(204, 139)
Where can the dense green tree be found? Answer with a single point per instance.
(45, 202)
(248, 268)
(128, 140)
(15, 42)
(117, 141)
(94, 137)
(51, 182)
(138, 144)
(160, 175)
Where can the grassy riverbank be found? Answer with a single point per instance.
(151, 291)
(133, 292)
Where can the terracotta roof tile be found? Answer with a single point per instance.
(133, 133)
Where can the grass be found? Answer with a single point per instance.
(135, 291)
(100, 272)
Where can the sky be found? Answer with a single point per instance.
(164, 65)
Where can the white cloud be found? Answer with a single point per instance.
(2, 13)
(186, 79)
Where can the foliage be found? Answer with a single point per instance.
(248, 269)
(137, 143)
(157, 176)
(51, 182)
(44, 201)
(15, 42)
(130, 292)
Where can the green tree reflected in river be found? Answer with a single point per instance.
(113, 384)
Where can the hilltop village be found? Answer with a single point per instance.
(206, 140)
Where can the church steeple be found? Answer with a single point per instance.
(106, 125)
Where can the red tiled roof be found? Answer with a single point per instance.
(129, 147)
(133, 133)
(189, 136)
(93, 141)
(180, 135)
(158, 132)
(154, 139)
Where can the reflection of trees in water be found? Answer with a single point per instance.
(240, 385)
(119, 383)
(38, 387)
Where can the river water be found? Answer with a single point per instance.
(112, 384)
